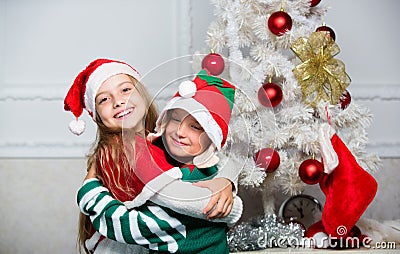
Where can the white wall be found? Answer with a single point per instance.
(366, 34)
(45, 43)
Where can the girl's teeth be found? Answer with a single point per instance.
(124, 113)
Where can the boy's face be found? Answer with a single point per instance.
(184, 136)
(119, 104)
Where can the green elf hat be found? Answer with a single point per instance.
(209, 100)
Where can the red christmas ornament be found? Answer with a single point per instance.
(311, 171)
(213, 63)
(270, 95)
(314, 2)
(279, 23)
(327, 29)
(268, 159)
(345, 99)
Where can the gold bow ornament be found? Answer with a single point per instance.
(321, 77)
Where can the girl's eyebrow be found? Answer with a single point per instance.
(129, 82)
(97, 95)
(119, 85)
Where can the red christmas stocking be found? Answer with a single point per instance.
(348, 188)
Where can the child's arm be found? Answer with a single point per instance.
(185, 198)
(182, 197)
(221, 201)
(229, 168)
(149, 226)
(223, 192)
(223, 186)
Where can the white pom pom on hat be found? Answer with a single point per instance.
(187, 89)
(77, 126)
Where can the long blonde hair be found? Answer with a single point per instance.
(109, 151)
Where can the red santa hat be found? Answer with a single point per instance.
(82, 93)
(209, 99)
(348, 188)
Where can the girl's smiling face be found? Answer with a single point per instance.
(184, 136)
(120, 105)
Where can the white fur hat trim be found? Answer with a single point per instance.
(101, 74)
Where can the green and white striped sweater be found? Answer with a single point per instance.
(149, 226)
(157, 228)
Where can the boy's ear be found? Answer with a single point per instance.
(207, 159)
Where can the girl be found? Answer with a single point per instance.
(109, 91)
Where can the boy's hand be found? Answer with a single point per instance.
(91, 173)
(221, 201)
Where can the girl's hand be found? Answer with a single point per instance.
(221, 201)
(91, 173)
(151, 137)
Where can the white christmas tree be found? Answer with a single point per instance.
(274, 41)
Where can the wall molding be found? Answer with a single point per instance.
(32, 93)
(385, 149)
(389, 92)
(364, 92)
(68, 149)
(38, 92)
(48, 139)
(56, 149)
